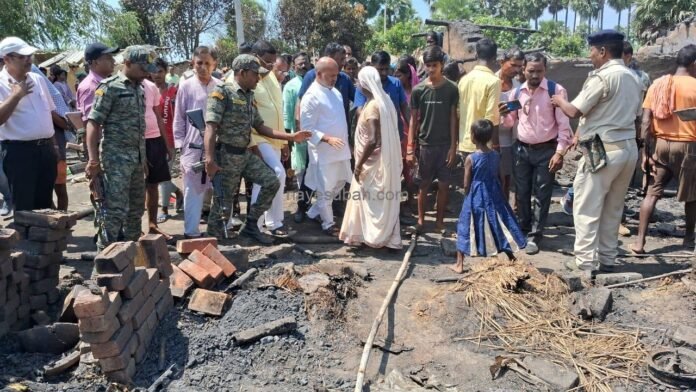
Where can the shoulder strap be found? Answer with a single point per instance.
(552, 87)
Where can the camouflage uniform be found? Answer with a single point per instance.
(233, 110)
(119, 107)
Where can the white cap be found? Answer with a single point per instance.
(15, 45)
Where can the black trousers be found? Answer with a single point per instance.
(31, 169)
(533, 187)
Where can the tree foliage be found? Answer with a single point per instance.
(397, 39)
(253, 20)
(147, 12)
(557, 40)
(504, 39)
(184, 21)
(311, 28)
(124, 30)
(658, 16)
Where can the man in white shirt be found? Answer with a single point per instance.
(26, 128)
(322, 112)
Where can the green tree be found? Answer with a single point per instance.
(311, 28)
(619, 6)
(456, 9)
(227, 50)
(504, 39)
(124, 30)
(653, 17)
(185, 21)
(147, 12)
(587, 9)
(558, 40)
(397, 40)
(253, 19)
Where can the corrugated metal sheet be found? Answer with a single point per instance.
(77, 57)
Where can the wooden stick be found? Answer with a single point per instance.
(378, 320)
(680, 272)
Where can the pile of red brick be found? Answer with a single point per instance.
(44, 236)
(29, 279)
(204, 266)
(119, 319)
(14, 285)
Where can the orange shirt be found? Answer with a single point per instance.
(673, 128)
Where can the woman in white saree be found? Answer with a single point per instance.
(372, 211)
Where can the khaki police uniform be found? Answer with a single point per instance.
(610, 101)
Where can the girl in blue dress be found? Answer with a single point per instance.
(486, 221)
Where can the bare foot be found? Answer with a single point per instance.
(458, 268)
(156, 230)
(635, 249)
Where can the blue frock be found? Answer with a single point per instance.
(486, 216)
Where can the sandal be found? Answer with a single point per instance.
(161, 218)
(279, 232)
(332, 231)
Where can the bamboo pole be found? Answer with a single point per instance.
(680, 272)
(378, 320)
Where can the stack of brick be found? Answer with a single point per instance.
(44, 235)
(14, 285)
(205, 266)
(119, 320)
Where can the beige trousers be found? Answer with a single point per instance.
(599, 203)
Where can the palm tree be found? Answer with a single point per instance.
(619, 6)
(555, 6)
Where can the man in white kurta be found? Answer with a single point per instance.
(322, 112)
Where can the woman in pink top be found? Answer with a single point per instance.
(157, 151)
(406, 73)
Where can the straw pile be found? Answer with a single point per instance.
(524, 312)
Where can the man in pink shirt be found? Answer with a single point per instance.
(101, 62)
(157, 151)
(543, 136)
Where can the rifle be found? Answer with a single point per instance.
(97, 190)
(195, 117)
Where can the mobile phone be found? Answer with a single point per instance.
(513, 105)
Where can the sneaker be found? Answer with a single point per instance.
(532, 248)
(234, 223)
(251, 230)
(567, 204)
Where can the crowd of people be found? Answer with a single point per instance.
(360, 141)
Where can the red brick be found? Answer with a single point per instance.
(161, 289)
(67, 313)
(120, 361)
(37, 248)
(144, 334)
(152, 281)
(188, 246)
(143, 313)
(42, 261)
(123, 376)
(204, 262)
(21, 230)
(116, 282)
(130, 308)
(62, 245)
(140, 353)
(164, 305)
(44, 234)
(115, 258)
(115, 345)
(53, 295)
(38, 302)
(100, 337)
(103, 322)
(8, 238)
(35, 274)
(179, 282)
(208, 302)
(218, 258)
(136, 283)
(17, 261)
(155, 248)
(197, 273)
(44, 285)
(43, 218)
(88, 304)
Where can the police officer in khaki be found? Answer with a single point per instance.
(231, 114)
(608, 106)
(115, 134)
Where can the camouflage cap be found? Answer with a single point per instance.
(139, 54)
(248, 62)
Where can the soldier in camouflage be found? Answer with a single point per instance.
(117, 122)
(231, 114)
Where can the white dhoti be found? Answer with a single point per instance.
(327, 181)
(273, 218)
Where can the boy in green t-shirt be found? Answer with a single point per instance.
(434, 120)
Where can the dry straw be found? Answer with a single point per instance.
(524, 312)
